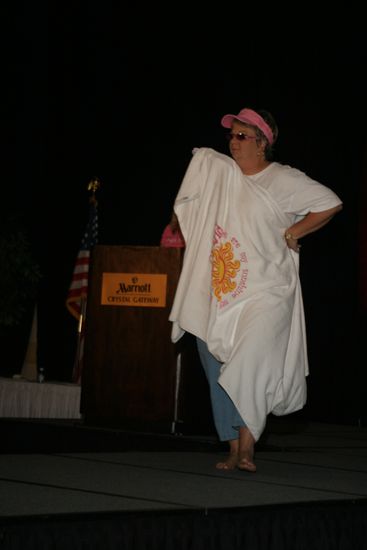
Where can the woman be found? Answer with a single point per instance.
(239, 291)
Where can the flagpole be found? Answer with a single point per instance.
(93, 186)
(77, 369)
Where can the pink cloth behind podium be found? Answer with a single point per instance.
(172, 239)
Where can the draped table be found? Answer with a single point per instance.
(21, 398)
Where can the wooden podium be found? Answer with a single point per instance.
(133, 375)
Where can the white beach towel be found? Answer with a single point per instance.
(239, 288)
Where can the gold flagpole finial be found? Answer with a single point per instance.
(93, 186)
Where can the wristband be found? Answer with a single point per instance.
(289, 236)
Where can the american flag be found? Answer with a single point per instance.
(77, 295)
(79, 284)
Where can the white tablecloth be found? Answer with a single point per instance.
(23, 399)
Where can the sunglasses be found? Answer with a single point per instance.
(240, 136)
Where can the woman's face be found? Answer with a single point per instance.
(243, 142)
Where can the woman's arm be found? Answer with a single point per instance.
(310, 223)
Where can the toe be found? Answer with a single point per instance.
(247, 465)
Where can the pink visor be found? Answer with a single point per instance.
(248, 116)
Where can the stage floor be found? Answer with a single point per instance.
(315, 464)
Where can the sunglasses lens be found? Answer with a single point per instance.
(239, 136)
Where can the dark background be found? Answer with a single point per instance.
(125, 93)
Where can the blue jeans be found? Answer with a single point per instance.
(227, 419)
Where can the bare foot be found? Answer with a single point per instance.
(232, 460)
(229, 464)
(246, 451)
(246, 464)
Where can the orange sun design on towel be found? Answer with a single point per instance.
(224, 268)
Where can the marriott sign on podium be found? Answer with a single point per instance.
(134, 289)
